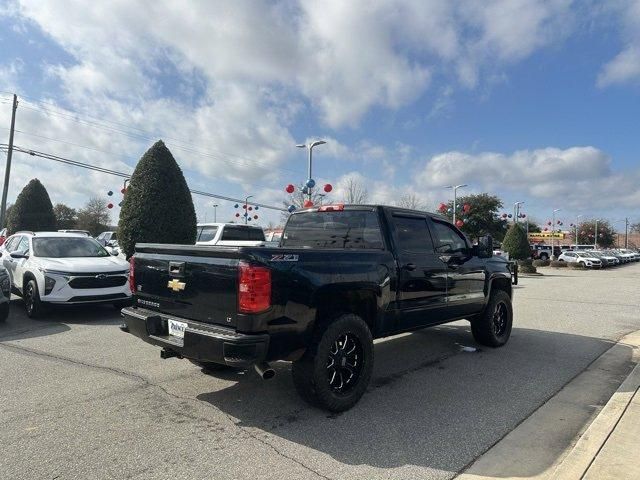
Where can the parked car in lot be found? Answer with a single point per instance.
(86, 233)
(342, 276)
(607, 260)
(229, 234)
(3, 236)
(5, 293)
(63, 268)
(586, 259)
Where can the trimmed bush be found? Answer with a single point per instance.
(516, 243)
(157, 206)
(541, 263)
(576, 266)
(527, 269)
(32, 211)
(558, 264)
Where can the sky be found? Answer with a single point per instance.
(534, 101)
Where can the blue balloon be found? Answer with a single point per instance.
(292, 208)
(246, 214)
(236, 206)
(509, 215)
(311, 183)
(249, 219)
(255, 208)
(449, 210)
(109, 193)
(305, 190)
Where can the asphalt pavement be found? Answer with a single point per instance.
(80, 399)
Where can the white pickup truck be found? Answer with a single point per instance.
(230, 235)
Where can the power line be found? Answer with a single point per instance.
(140, 134)
(108, 171)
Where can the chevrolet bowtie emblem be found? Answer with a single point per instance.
(176, 285)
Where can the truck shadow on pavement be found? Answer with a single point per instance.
(431, 402)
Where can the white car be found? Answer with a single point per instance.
(64, 268)
(584, 258)
(230, 235)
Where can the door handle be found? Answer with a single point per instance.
(409, 266)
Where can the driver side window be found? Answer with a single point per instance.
(446, 235)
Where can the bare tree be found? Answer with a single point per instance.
(411, 201)
(297, 199)
(355, 192)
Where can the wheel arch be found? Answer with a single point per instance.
(331, 302)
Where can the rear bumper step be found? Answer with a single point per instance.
(202, 342)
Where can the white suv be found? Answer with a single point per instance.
(584, 258)
(68, 268)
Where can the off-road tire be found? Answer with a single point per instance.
(330, 388)
(492, 327)
(32, 303)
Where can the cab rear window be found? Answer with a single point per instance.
(242, 233)
(357, 229)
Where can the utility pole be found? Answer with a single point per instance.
(626, 232)
(595, 237)
(310, 164)
(553, 230)
(7, 171)
(215, 212)
(455, 198)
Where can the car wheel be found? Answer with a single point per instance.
(493, 327)
(32, 303)
(544, 256)
(336, 369)
(4, 312)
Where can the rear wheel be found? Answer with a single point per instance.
(336, 369)
(493, 327)
(32, 303)
(544, 256)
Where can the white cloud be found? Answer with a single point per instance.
(625, 66)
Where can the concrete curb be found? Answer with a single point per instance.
(561, 439)
(577, 462)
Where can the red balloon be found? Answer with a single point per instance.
(442, 207)
(123, 191)
(466, 207)
(328, 188)
(548, 223)
(110, 205)
(250, 208)
(237, 214)
(308, 203)
(545, 229)
(244, 206)
(290, 188)
(459, 223)
(255, 217)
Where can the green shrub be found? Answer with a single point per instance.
(157, 206)
(526, 268)
(32, 210)
(541, 263)
(516, 243)
(558, 264)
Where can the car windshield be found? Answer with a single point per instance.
(67, 247)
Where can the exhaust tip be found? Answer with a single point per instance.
(264, 370)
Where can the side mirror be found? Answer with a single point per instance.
(484, 249)
(19, 255)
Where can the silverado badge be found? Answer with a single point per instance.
(176, 285)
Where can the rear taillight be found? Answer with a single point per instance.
(132, 275)
(254, 288)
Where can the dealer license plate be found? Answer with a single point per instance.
(176, 328)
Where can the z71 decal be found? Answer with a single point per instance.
(284, 258)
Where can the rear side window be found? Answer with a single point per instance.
(412, 234)
(207, 234)
(356, 229)
(11, 245)
(242, 233)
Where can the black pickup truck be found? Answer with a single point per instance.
(342, 276)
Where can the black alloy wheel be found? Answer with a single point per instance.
(344, 365)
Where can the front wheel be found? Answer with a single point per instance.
(493, 326)
(32, 303)
(336, 369)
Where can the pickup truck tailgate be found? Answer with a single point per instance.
(193, 286)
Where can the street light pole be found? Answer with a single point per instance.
(455, 197)
(7, 171)
(215, 213)
(553, 230)
(246, 208)
(310, 161)
(595, 237)
(626, 232)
